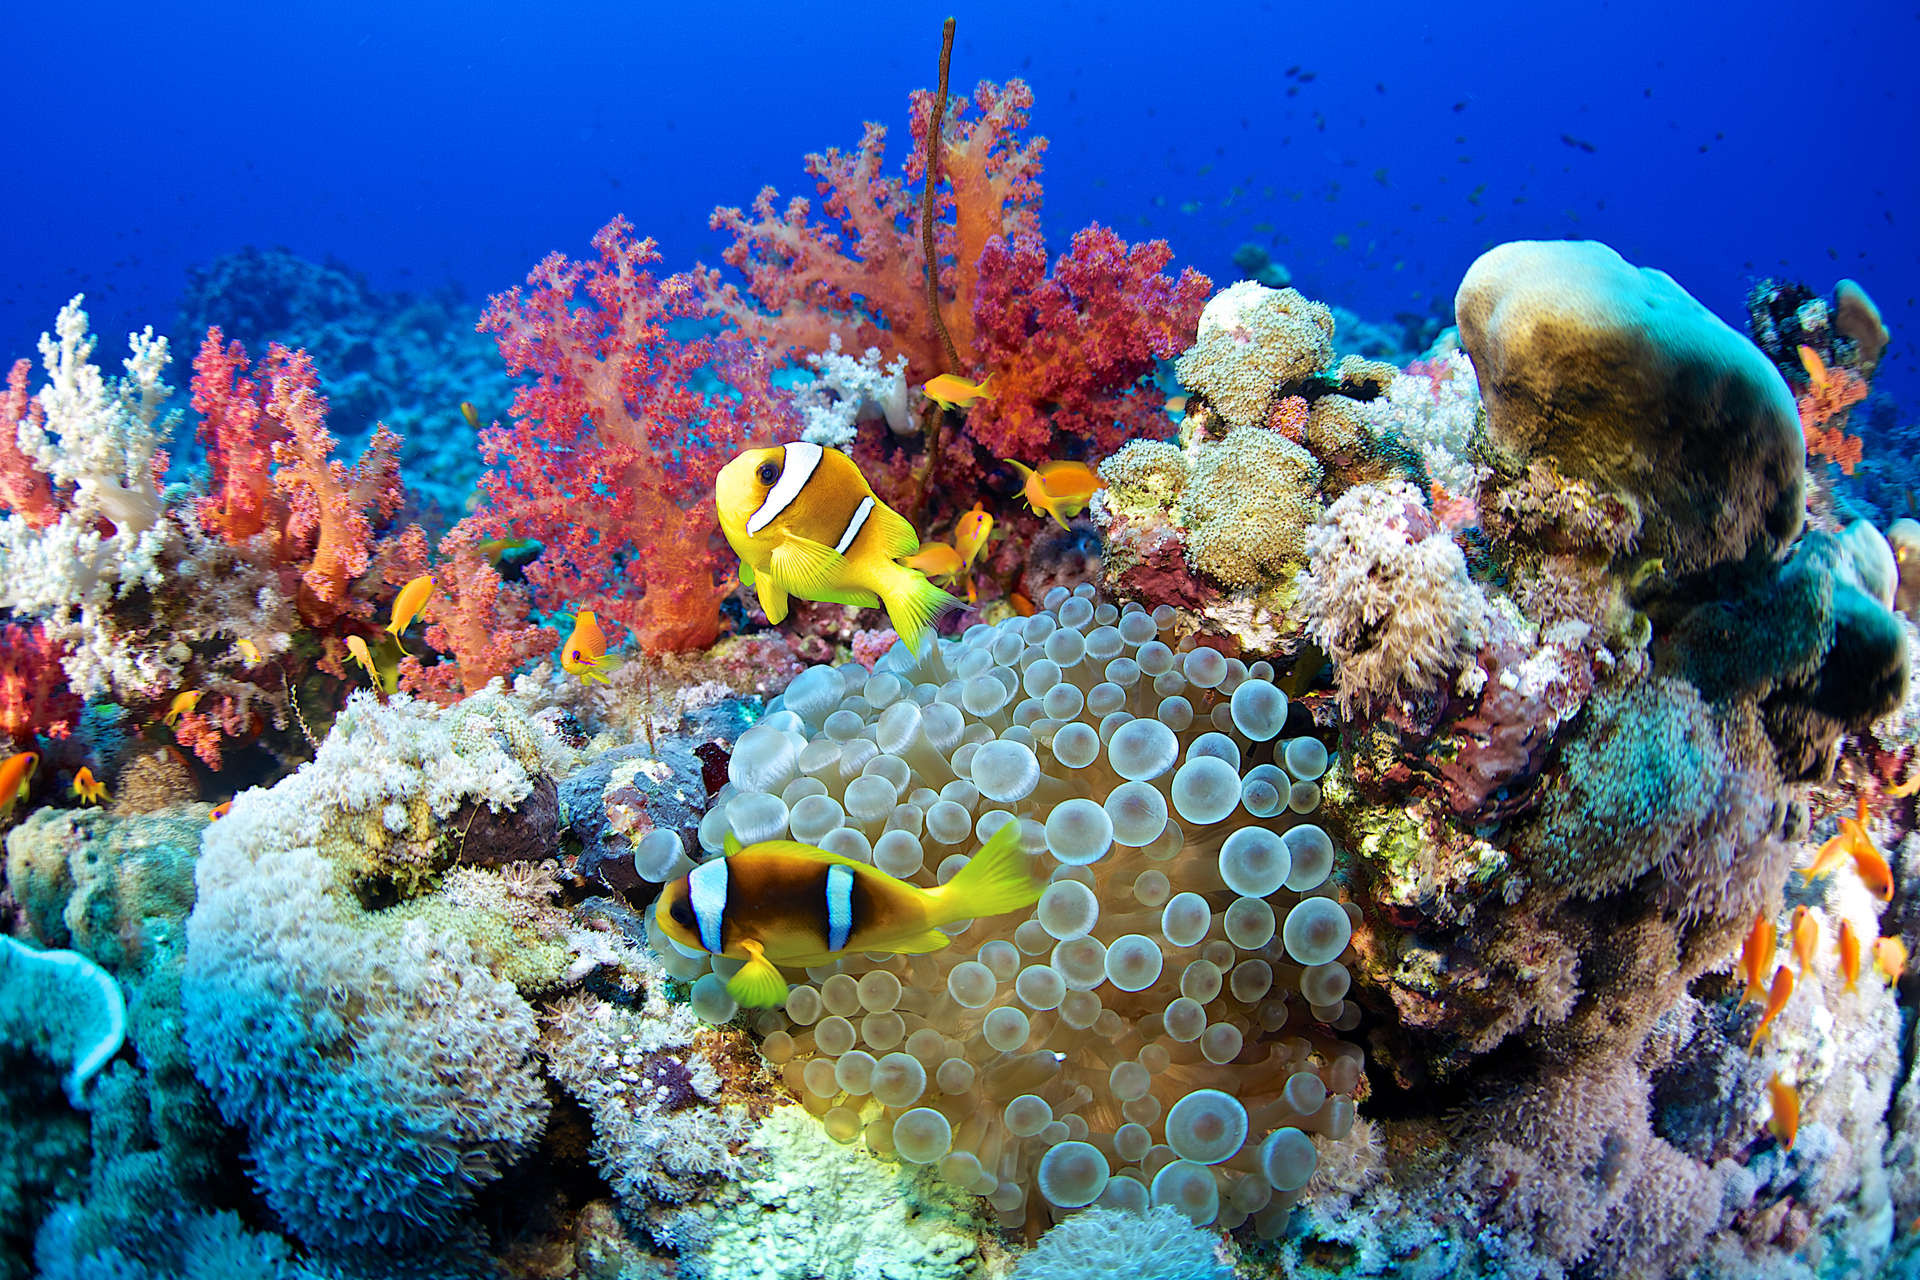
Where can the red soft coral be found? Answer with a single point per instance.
(35, 695)
(1826, 401)
(615, 444)
(24, 490)
(474, 618)
(239, 443)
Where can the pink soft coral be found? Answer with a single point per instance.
(615, 444)
(35, 695)
(23, 487)
(475, 619)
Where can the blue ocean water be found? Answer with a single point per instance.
(1373, 150)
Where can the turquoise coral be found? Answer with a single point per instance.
(65, 1007)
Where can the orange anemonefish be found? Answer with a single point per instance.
(1849, 954)
(89, 789)
(585, 652)
(1755, 955)
(1060, 489)
(805, 523)
(1784, 1123)
(1777, 997)
(16, 779)
(950, 391)
(784, 903)
(407, 605)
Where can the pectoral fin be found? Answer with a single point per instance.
(758, 985)
(807, 568)
(746, 573)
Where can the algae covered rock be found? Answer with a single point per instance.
(1615, 375)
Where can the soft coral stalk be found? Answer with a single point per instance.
(615, 444)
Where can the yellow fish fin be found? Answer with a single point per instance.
(731, 844)
(897, 537)
(852, 595)
(758, 985)
(746, 573)
(807, 568)
(997, 880)
(915, 944)
(773, 598)
(913, 603)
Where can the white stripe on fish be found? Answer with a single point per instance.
(801, 460)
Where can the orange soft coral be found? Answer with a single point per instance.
(1830, 393)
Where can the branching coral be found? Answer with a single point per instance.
(611, 459)
(475, 619)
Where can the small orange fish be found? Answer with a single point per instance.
(1784, 1123)
(1890, 957)
(1777, 997)
(950, 391)
(1176, 404)
(1755, 955)
(182, 703)
(1852, 838)
(1872, 868)
(407, 605)
(1816, 368)
(358, 648)
(1806, 937)
(1061, 489)
(89, 789)
(248, 650)
(494, 548)
(1849, 954)
(970, 533)
(935, 559)
(220, 811)
(16, 779)
(471, 414)
(585, 652)
(1901, 790)
(1021, 605)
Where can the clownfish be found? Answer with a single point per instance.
(805, 523)
(1755, 954)
(1060, 489)
(585, 652)
(16, 780)
(407, 605)
(1849, 954)
(950, 391)
(87, 788)
(1784, 1123)
(183, 702)
(1777, 997)
(784, 903)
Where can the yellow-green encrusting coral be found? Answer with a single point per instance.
(1165, 1026)
(1246, 506)
(1253, 341)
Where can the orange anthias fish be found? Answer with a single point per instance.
(16, 779)
(1755, 955)
(182, 703)
(1806, 937)
(970, 534)
(1890, 957)
(220, 811)
(407, 605)
(1021, 605)
(1852, 839)
(1777, 997)
(88, 788)
(1060, 489)
(1849, 954)
(1784, 1123)
(950, 391)
(585, 652)
(248, 650)
(1871, 866)
(471, 414)
(935, 559)
(1816, 368)
(358, 648)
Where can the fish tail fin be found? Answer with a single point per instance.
(913, 603)
(997, 880)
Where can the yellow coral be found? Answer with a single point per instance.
(1252, 343)
(1146, 473)
(1247, 506)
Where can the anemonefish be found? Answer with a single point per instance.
(220, 811)
(471, 414)
(358, 648)
(407, 605)
(1849, 954)
(1784, 1123)
(1777, 997)
(1889, 954)
(89, 789)
(937, 560)
(783, 903)
(16, 780)
(1806, 937)
(1755, 955)
(248, 650)
(585, 652)
(950, 391)
(1060, 489)
(805, 523)
(182, 703)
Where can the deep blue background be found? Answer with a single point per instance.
(434, 143)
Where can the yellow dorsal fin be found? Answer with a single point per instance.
(731, 844)
(897, 537)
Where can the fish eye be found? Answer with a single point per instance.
(682, 913)
(768, 473)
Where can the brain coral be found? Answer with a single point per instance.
(1617, 376)
(381, 1068)
(1164, 1026)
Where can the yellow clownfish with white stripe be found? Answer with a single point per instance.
(784, 903)
(805, 523)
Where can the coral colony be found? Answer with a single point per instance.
(1460, 805)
